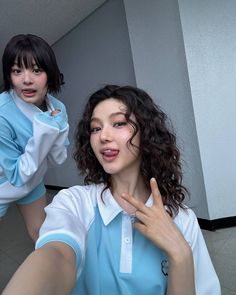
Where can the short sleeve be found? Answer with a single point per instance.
(206, 280)
(66, 222)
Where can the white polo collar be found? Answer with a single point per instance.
(109, 208)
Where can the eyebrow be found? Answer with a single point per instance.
(110, 116)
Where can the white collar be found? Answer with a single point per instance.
(109, 208)
(28, 109)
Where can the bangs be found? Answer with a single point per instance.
(29, 51)
(26, 59)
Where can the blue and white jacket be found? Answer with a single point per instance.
(30, 141)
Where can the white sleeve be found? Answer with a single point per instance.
(68, 219)
(58, 152)
(206, 280)
(36, 149)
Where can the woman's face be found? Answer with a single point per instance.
(110, 135)
(30, 84)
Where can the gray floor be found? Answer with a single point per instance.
(15, 246)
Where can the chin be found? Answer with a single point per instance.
(110, 170)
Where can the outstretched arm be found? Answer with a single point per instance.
(156, 224)
(49, 270)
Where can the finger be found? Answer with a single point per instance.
(157, 199)
(134, 202)
(54, 112)
(140, 227)
(141, 217)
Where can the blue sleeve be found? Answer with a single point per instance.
(20, 165)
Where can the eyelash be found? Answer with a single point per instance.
(116, 125)
(119, 124)
(35, 70)
(16, 71)
(95, 129)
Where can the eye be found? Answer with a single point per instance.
(37, 70)
(119, 124)
(95, 129)
(16, 71)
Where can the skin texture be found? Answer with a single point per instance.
(110, 133)
(33, 215)
(50, 270)
(29, 84)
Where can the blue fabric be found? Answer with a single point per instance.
(101, 275)
(36, 194)
(25, 142)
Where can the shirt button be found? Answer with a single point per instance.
(127, 240)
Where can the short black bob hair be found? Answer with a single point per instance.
(23, 50)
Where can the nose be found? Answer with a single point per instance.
(105, 134)
(27, 77)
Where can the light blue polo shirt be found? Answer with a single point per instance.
(113, 257)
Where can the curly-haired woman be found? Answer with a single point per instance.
(127, 230)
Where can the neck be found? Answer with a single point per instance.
(43, 106)
(134, 186)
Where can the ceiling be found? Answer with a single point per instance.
(50, 19)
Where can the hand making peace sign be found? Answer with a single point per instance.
(156, 223)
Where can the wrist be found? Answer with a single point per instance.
(180, 254)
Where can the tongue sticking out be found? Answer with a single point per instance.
(110, 153)
(29, 92)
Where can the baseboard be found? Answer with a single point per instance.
(215, 224)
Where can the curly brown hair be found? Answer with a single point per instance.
(159, 152)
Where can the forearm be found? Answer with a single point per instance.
(181, 273)
(46, 271)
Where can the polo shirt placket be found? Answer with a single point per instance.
(126, 244)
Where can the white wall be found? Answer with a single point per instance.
(181, 52)
(95, 53)
(160, 68)
(209, 31)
